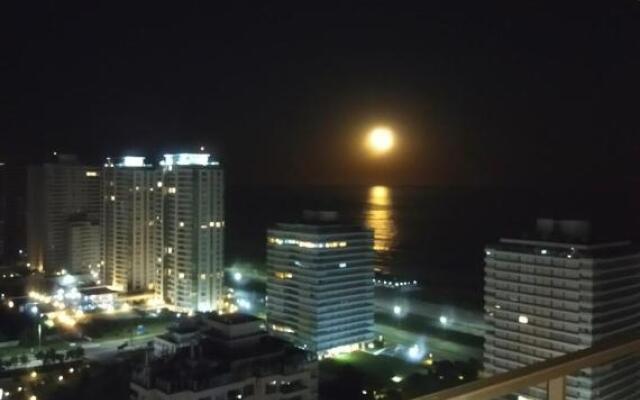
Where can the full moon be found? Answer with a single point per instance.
(380, 140)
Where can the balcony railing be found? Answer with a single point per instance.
(551, 373)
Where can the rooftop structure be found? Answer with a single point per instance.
(218, 362)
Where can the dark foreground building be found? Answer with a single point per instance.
(225, 357)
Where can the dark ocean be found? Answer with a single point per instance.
(434, 235)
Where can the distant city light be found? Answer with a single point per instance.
(237, 276)
(396, 379)
(397, 310)
(444, 321)
(68, 280)
(523, 319)
(244, 304)
(543, 251)
(34, 310)
(416, 352)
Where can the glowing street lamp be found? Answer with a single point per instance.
(397, 310)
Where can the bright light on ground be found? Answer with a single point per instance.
(380, 140)
(415, 353)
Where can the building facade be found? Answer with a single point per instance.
(320, 286)
(131, 224)
(558, 293)
(13, 191)
(58, 193)
(222, 357)
(191, 271)
(84, 247)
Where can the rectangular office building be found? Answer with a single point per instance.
(320, 286)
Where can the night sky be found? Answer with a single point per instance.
(479, 92)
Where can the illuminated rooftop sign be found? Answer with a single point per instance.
(132, 161)
(187, 159)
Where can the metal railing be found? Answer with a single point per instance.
(551, 372)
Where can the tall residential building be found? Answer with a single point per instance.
(559, 291)
(13, 240)
(193, 232)
(57, 194)
(84, 247)
(131, 224)
(222, 357)
(320, 285)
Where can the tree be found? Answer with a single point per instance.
(40, 355)
(24, 359)
(49, 356)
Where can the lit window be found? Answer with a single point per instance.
(171, 190)
(218, 224)
(543, 251)
(283, 275)
(203, 276)
(181, 224)
(170, 250)
(342, 265)
(212, 224)
(91, 173)
(159, 184)
(523, 319)
(181, 275)
(112, 198)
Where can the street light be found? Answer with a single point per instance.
(397, 310)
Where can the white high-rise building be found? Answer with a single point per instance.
(58, 193)
(557, 292)
(320, 286)
(131, 224)
(193, 224)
